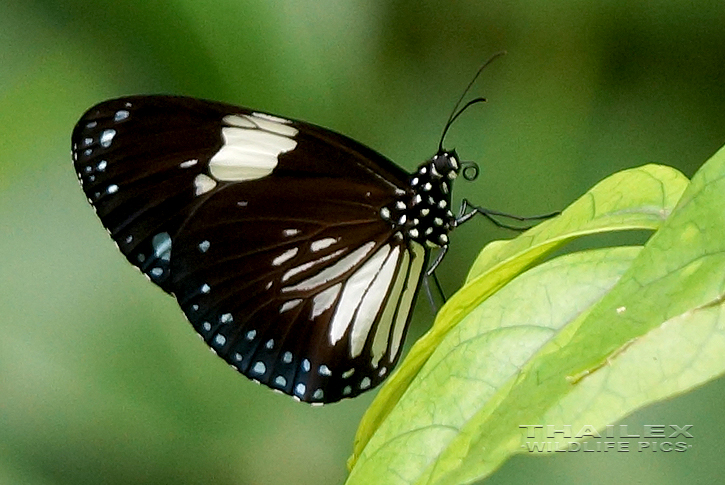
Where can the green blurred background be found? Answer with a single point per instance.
(101, 378)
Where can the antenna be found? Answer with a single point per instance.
(456, 112)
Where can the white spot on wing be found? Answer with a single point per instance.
(334, 271)
(107, 137)
(162, 246)
(291, 232)
(188, 163)
(251, 149)
(120, 115)
(288, 305)
(324, 300)
(353, 293)
(406, 300)
(272, 124)
(322, 243)
(382, 333)
(112, 189)
(240, 121)
(304, 267)
(270, 117)
(372, 302)
(259, 368)
(285, 256)
(203, 184)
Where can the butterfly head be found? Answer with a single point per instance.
(444, 164)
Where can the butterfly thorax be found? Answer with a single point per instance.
(423, 212)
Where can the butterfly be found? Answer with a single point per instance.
(295, 252)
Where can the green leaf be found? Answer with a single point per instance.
(567, 343)
(639, 198)
(479, 360)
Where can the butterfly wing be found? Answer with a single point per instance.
(266, 230)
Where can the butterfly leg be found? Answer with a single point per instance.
(436, 262)
(430, 274)
(469, 210)
(429, 293)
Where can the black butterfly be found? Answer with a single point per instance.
(295, 252)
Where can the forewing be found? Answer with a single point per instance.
(266, 230)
